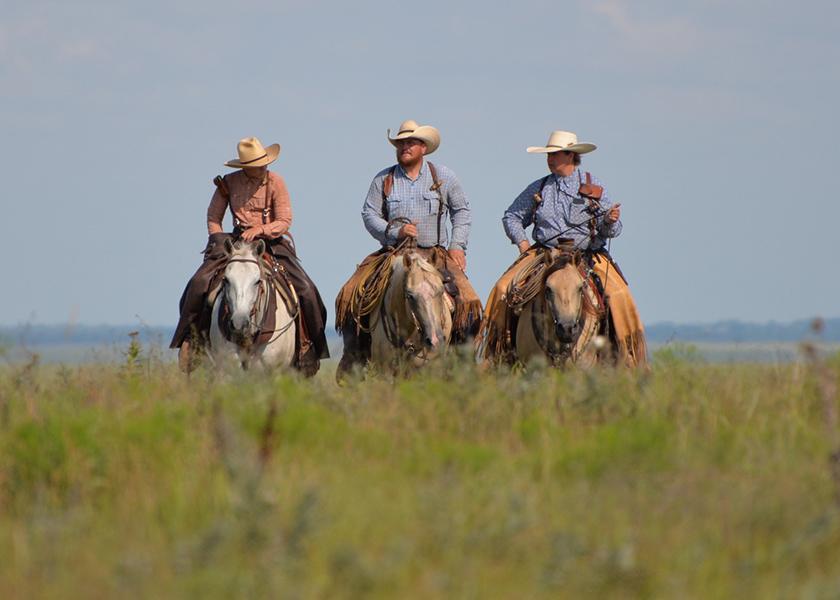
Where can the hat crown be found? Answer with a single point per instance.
(561, 139)
(411, 129)
(408, 126)
(250, 149)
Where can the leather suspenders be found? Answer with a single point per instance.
(388, 185)
(267, 209)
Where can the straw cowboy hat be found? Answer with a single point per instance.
(425, 133)
(563, 141)
(252, 154)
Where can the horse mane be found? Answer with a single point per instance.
(416, 259)
(558, 263)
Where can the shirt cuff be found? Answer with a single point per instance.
(392, 235)
(608, 229)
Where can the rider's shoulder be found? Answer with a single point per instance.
(384, 172)
(443, 172)
(276, 178)
(538, 183)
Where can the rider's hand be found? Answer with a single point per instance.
(252, 233)
(613, 214)
(523, 246)
(408, 230)
(460, 258)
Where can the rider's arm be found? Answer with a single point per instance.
(281, 208)
(372, 215)
(607, 230)
(459, 214)
(519, 214)
(216, 212)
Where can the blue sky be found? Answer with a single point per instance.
(716, 125)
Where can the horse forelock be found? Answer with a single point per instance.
(558, 276)
(247, 251)
(559, 262)
(413, 297)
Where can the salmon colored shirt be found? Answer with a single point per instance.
(246, 203)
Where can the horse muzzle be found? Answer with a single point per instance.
(434, 340)
(566, 334)
(241, 327)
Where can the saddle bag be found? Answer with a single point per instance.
(449, 283)
(590, 190)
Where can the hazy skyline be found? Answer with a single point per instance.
(715, 123)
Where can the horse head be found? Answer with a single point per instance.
(243, 282)
(422, 314)
(565, 287)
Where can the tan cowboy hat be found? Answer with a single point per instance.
(252, 154)
(425, 133)
(563, 140)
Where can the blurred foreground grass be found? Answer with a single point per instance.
(696, 480)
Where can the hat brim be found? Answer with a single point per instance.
(580, 148)
(271, 154)
(425, 133)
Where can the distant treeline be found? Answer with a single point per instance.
(39, 335)
(721, 331)
(738, 331)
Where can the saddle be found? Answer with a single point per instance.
(368, 285)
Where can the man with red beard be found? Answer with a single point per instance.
(414, 199)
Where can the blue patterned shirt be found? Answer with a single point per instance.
(414, 200)
(561, 214)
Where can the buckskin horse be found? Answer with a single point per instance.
(253, 319)
(550, 310)
(413, 323)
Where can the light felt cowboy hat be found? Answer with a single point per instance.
(563, 141)
(252, 154)
(425, 133)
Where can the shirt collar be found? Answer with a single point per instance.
(569, 181)
(423, 169)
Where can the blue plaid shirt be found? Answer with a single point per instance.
(414, 200)
(561, 214)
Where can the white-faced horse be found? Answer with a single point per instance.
(238, 330)
(413, 323)
(561, 321)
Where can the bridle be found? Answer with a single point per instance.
(561, 348)
(392, 329)
(258, 309)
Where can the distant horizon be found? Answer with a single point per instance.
(141, 324)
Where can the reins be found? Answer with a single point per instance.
(258, 311)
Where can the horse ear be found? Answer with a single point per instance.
(228, 246)
(259, 248)
(406, 260)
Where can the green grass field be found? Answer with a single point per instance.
(693, 481)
